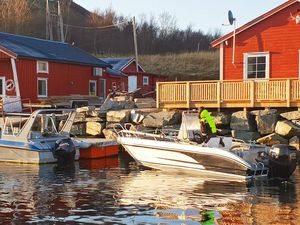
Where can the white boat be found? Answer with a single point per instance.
(221, 158)
(33, 138)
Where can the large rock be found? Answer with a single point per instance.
(109, 104)
(94, 128)
(78, 129)
(245, 135)
(264, 112)
(221, 119)
(287, 129)
(295, 142)
(109, 134)
(242, 121)
(160, 119)
(121, 116)
(272, 139)
(294, 115)
(266, 123)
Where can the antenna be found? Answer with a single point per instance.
(232, 21)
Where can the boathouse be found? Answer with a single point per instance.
(131, 79)
(259, 66)
(33, 69)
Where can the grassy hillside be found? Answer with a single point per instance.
(185, 66)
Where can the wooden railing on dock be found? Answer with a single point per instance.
(229, 94)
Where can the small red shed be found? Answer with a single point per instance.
(266, 47)
(129, 78)
(35, 69)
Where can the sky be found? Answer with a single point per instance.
(205, 15)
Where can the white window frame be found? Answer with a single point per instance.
(42, 79)
(145, 83)
(95, 83)
(256, 54)
(42, 71)
(3, 86)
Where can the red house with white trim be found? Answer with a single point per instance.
(36, 69)
(129, 78)
(265, 48)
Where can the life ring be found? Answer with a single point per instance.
(9, 85)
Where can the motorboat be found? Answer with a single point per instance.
(218, 159)
(33, 138)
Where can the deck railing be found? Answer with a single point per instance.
(229, 94)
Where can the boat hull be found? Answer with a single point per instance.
(208, 162)
(24, 155)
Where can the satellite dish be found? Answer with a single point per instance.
(230, 17)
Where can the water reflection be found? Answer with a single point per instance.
(116, 191)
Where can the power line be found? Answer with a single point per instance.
(102, 27)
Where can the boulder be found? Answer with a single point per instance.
(266, 123)
(263, 112)
(245, 135)
(78, 129)
(295, 142)
(94, 128)
(109, 134)
(160, 119)
(272, 139)
(287, 129)
(121, 116)
(85, 109)
(221, 119)
(109, 105)
(242, 121)
(294, 115)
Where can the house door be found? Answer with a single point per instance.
(132, 83)
(102, 89)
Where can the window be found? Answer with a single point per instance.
(42, 67)
(256, 65)
(145, 80)
(92, 88)
(42, 87)
(2, 86)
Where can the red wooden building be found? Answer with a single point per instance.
(266, 47)
(35, 69)
(128, 78)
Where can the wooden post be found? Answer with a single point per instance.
(188, 95)
(288, 93)
(157, 95)
(252, 93)
(219, 94)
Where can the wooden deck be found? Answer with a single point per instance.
(228, 94)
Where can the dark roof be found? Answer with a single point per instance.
(115, 72)
(120, 63)
(29, 47)
(117, 63)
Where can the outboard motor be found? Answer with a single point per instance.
(282, 161)
(64, 150)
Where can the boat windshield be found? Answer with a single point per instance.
(43, 125)
(189, 126)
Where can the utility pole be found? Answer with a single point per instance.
(135, 44)
(60, 24)
(49, 32)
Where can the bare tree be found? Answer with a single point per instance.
(14, 15)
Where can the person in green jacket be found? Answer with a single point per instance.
(207, 124)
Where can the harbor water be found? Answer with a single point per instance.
(117, 191)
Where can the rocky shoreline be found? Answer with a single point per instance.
(267, 127)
